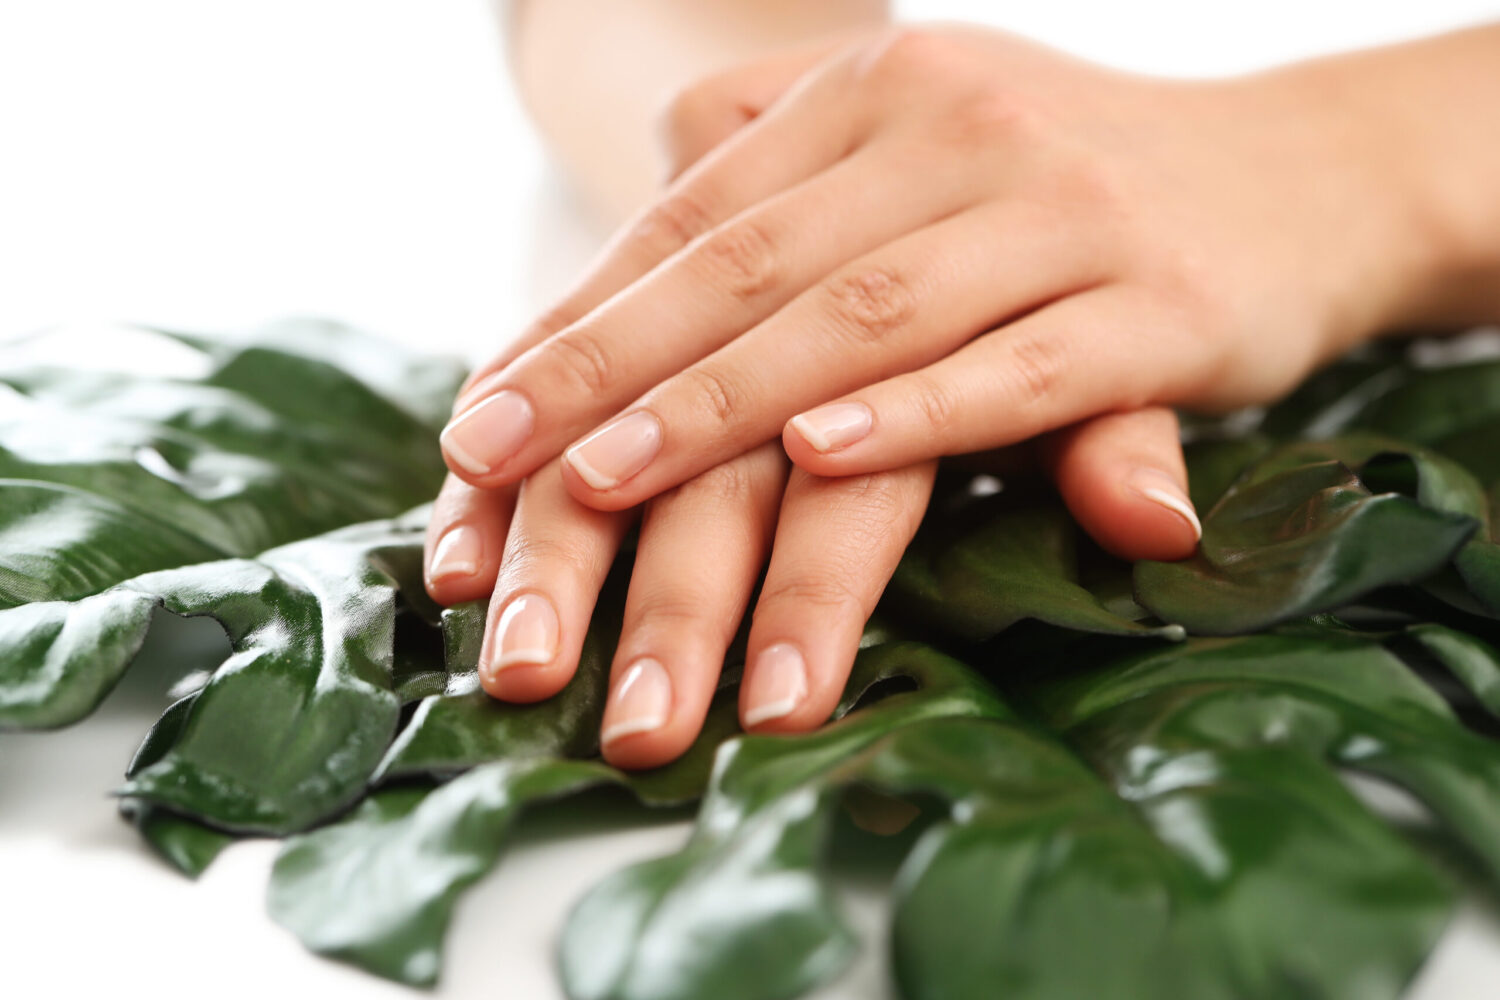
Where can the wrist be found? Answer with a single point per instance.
(1421, 138)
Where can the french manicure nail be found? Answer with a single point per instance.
(488, 433)
(457, 553)
(527, 633)
(617, 451)
(837, 425)
(1160, 488)
(778, 684)
(640, 703)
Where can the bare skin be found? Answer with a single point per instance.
(893, 246)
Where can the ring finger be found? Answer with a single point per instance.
(702, 546)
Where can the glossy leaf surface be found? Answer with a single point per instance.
(106, 477)
(1294, 543)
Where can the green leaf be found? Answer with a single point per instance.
(1172, 826)
(185, 844)
(290, 728)
(463, 726)
(108, 477)
(741, 910)
(997, 564)
(1433, 404)
(378, 889)
(1293, 543)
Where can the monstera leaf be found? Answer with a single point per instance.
(1128, 780)
(108, 477)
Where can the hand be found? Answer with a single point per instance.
(835, 548)
(946, 241)
(542, 558)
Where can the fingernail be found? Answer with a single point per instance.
(777, 684)
(457, 553)
(488, 433)
(639, 703)
(1160, 488)
(835, 426)
(617, 451)
(527, 633)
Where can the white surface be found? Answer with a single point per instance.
(214, 164)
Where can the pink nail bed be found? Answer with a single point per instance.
(640, 703)
(777, 684)
(837, 425)
(487, 434)
(457, 553)
(617, 451)
(526, 633)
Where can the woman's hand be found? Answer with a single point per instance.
(832, 544)
(836, 541)
(942, 241)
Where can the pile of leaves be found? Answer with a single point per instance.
(1131, 780)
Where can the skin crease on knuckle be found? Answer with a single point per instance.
(869, 305)
(739, 259)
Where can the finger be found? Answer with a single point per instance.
(1123, 477)
(837, 544)
(714, 108)
(902, 306)
(556, 557)
(683, 609)
(465, 537)
(1101, 351)
(702, 298)
(807, 130)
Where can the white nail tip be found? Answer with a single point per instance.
(589, 474)
(466, 461)
(770, 710)
(1177, 504)
(810, 434)
(630, 727)
(515, 657)
(454, 567)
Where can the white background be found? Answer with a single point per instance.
(213, 164)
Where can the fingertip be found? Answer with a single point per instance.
(523, 658)
(779, 693)
(805, 456)
(1141, 514)
(465, 538)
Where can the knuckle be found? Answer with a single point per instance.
(935, 403)
(717, 392)
(827, 593)
(870, 304)
(904, 52)
(1037, 363)
(688, 108)
(990, 118)
(726, 485)
(741, 258)
(586, 360)
(674, 222)
(675, 611)
(529, 557)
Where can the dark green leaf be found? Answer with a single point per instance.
(741, 910)
(109, 477)
(998, 565)
(1294, 543)
(378, 889)
(291, 727)
(185, 844)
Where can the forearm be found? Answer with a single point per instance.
(1432, 111)
(594, 74)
